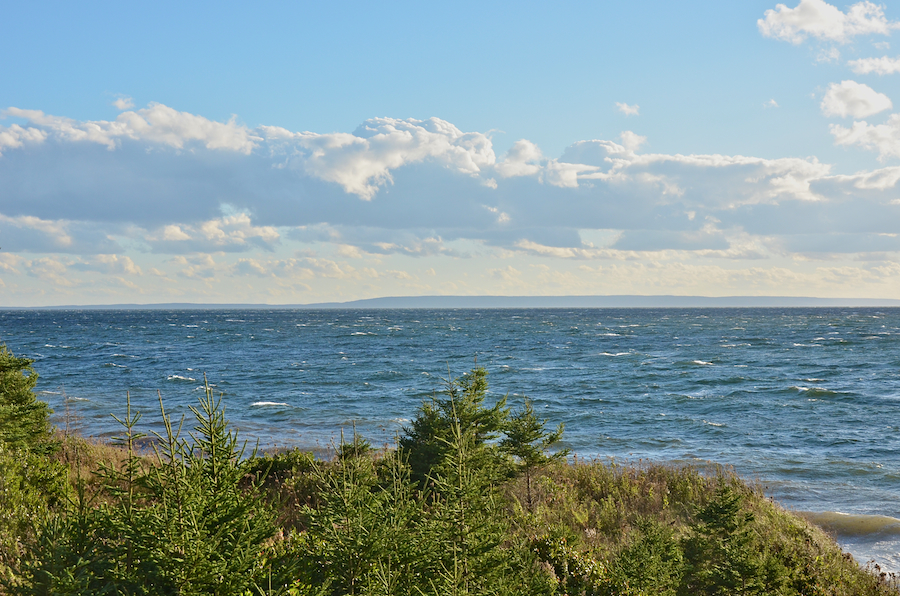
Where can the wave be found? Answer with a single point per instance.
(269, 403)
(854, 525)
(813, 391)
(179, 378)
(702, 363)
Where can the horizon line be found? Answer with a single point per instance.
(499, 301)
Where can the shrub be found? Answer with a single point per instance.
(426, 441)
(183, 526)
(24, 420)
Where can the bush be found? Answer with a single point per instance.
(24, 421)
(185, 525)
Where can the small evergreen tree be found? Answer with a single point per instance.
(188, 525)
(426, 441)
(526, 440)
(24, 420)
(723, 557)
(467, 524)
(361, 537)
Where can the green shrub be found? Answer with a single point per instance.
(31, 485)
(24, 420)
(185, 525)
(426, 441)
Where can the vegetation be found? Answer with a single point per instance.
(471, 502)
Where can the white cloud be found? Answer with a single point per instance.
(156, 124)
(883, 138)
(631, 141)
(828, 55)
(109, 264)
(820, 20)
(849, 98)
(881, 66)
(15, 136)
(231, 233)
(53, 270)
(628, 110)
(428, 197)
(55, 231)
(362, 162)
(523, 159)
(123, 103)
(771, 104)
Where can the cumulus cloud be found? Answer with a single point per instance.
(123, 103)
(523, 159)
(362, 162)
(15, 136)
(771, 104)
(628, 110)
(881, 66)
(849, 98)
(156, 124)
(408, 188)
(820, 20)
(230, 233)
(109, 264)
(883, 138)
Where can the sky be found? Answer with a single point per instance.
(300, 152)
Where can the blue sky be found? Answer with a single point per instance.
(305, 152)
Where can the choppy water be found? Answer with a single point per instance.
(807, 401)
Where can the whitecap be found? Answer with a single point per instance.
(179, 378)
(712, 423)
(269, 403)
(702, 363)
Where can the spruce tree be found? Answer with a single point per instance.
(528, 442)
(426, 441)
(24, 420)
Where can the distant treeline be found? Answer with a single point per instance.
(476, 498)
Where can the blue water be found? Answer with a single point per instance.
(805, 401)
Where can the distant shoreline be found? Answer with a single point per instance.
(462, 302)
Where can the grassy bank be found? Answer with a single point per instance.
(472, 501)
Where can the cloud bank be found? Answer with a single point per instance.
(104, 197)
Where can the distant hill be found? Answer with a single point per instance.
(622, 301)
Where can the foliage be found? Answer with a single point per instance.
(426, 442)
(24, 420)
(528, 442)
(652, 562)
(360, 537)
(722, 552)
(31, 485)
(183, 526)
(197, 517)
